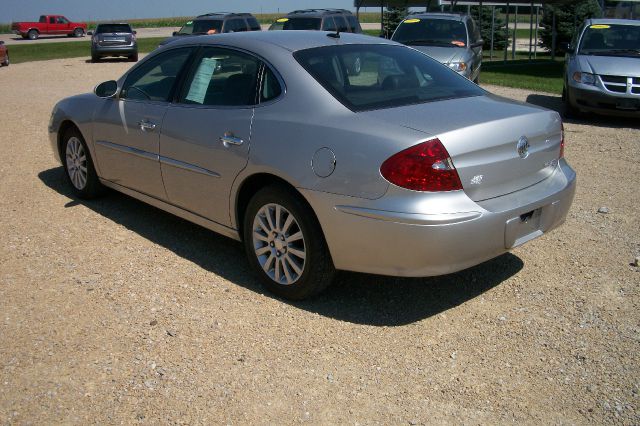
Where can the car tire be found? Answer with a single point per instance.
(133, 58)
(33, 35)
(78, 32)
(78, 166)
(569, 110)
(288, 253)
(6, 61)
(95, 58)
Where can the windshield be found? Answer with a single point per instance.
(386, 76)
(611, 40)
(434, 32)
(113, 28)
(301, 24)
(206, 26)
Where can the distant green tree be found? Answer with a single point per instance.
(568, 17)
(482, 16)
(392, 18)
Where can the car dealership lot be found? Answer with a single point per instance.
(113, 311)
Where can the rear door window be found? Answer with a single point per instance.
(235, 25)
(328, 24)
(353, 24)
(221, 77)
(302, 24)
(254, 25)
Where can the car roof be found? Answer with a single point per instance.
(222, 15)
(263, 41)
(318, 12)
(437, 15)
(613, 21)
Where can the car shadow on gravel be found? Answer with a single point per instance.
(555, 103)
(354, 297)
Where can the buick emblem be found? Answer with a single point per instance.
(523, 147)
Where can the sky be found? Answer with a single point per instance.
(96, 10)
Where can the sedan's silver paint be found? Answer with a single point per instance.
(358, 210)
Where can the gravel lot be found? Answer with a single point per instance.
(112, 311)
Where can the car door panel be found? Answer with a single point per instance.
(127, 154)
(198, 168)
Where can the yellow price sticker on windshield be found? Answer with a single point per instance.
(282, 20)
(600, 26)
(411, 21)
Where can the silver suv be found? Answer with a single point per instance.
(216, 23)
(602, 68)
(453, 39)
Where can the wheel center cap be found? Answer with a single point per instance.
(280, 245)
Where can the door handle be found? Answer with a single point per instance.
(228, 139)
(146, 125)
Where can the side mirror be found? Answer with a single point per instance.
(175, 33)
(89, 32)
(108, 89)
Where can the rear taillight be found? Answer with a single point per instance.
(561, 140)
(423, 167)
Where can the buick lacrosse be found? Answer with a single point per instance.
(405, 168)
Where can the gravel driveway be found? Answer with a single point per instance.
(112, 311)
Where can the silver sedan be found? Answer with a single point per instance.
(405, 169)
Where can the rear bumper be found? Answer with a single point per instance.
(114, 50)
(406, 233)
(598, 101)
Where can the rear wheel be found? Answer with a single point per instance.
(78, 32)
(6, 60)
(285, 245)
(78, 165)
(33, 34)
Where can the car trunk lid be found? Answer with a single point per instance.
(498, 146)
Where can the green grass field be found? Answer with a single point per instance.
(46, 51)
(541, 75)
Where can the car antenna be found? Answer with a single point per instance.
(335, 35)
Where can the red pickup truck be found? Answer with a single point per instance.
(49, 24)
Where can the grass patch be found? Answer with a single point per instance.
(544, 75)
(77, 49)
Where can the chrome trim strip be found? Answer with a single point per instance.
(129, 150)
(410, 218)
(185, 214)
(188, 166)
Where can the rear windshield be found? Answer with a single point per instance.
(611, 40)
(205, 26)
(113, 28)
(365, 77)
(302, 24)
(431, 32)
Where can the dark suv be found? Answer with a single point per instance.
(319, 19)
(216, 23)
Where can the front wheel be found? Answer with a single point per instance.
(569, 110)
(78, 166)
(133, 58)
(285, 245)
(78, 32)
(6, 60)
